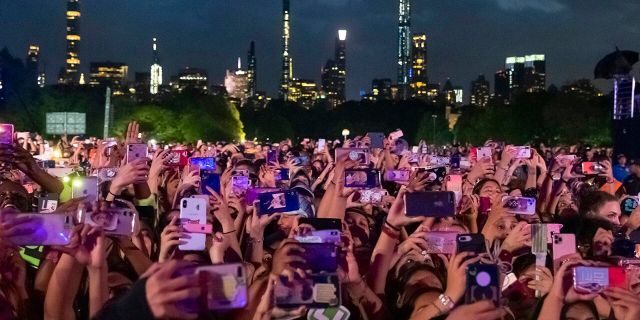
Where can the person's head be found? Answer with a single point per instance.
(13, 195)
(412, 298)
(581, 310)
(622, 159)
(359, 225)
(489, 188)
(600, 205)
(634, 168)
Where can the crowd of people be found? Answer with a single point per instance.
(271, 230)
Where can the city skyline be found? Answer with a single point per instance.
(372, 27)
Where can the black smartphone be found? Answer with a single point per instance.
(471, 242)
(430, 204)
(319, 257)
(377, 140)
(322, 223)
(482, 283)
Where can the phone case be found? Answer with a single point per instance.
(360, 155)
(315, 291)
(282, 174)
(252, 193)
(361, 178)
(48, 229)
(519, 205)
(178, 158)
(198, 228)
(397, 175)
(472, 242)
(321, 236)
(208, 178)
(223, 286)
(279, 201)
(193, 211)
(483, 283)
(430, 204)
(454, 183)
(592, 168)
(85, 187)
(377, 140)
(483, 153)
(114, 221)
(373, 196)
(272, 156)
(136, 151)
(563, 244)
(106, 174)
(441, 242)
(48, 203)
(240, 184)
(396, 134)
(590, 279)
(6, 133)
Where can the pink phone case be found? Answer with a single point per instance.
(136, 151)
(441, 242)
(562, 244)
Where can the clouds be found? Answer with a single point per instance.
(547, 6)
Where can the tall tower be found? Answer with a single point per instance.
(156, 70)
(404, 47)
(31, 63)
(71, 74)
(341, 62)
(251, 70)
(419, 78)
(286, 58)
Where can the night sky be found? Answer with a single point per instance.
(465, 37)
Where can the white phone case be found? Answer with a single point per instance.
(193, 211)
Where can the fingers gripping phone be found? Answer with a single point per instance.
(223, 286)
(193, 211)
(41, 229)
(114, 221)
(483, 283)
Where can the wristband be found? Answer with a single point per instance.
(390, 233)
(113, 194)
(228, 232)
(388, 224)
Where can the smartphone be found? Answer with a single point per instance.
(471, 242)
(430, 204)
(596, 279)
(483, 283)
(315, 291)
(252, 193)
(519, 205)
(193, 211)
(240, 185)
(114, 221)
(322, 223)
(454, 162)
(178, 158)
(223, 286)
(46, 229)
(372, 196)
(360, 155)
(209, 178)
(436, 174)
(85, 187)
(6, 133)
(566, 159)
(322, 143)
(485, 205)
(483, 153)
(396, 135)
(592, 168)
(628, 204)
(272, 156)
(302, 161)
(453, 182)
(202, 163)
(397, 175)
(563, 244)
(523, 152)
(282, 174)
(441, 242)
(377, 140)
(48, 202)
(279, 201)
(136, 151)
(321, 236)
(318, 257)
(361, 178)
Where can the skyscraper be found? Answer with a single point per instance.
(71, 74)
(251, 70)
(404, 49)
(31, 63)
(334, 73)
(156, 70)
(286, 58)
(237, 83)
(501, 86)
(418, 73)
(515, 74)
(381, 89)
(534, 73)
(108, 74)
(480, 92)
(305, 92)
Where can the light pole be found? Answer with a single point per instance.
(345, 133)
(434, 116)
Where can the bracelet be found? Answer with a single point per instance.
(113, 194)
(446, 302)
(387, 223)
(228, 232)
(390, 233)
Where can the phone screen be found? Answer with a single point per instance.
(208, 178)
(279, 201)
(361, 178)
(430, 204)
(6, 133)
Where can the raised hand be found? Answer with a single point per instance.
(170, 239)
(164, 291)
(134, 172)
